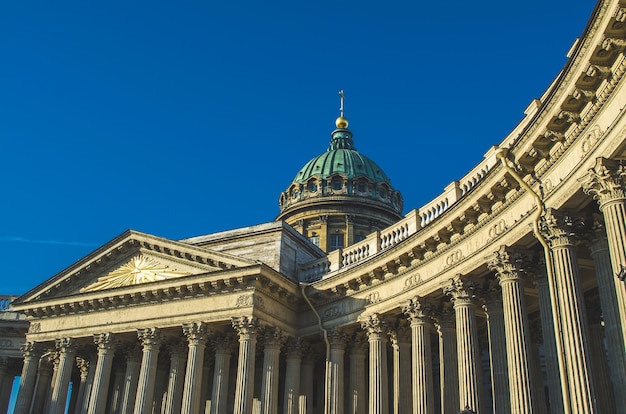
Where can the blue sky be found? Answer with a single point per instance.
(190, 118)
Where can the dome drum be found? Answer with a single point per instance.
(334, 199)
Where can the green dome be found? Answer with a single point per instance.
(341, 171)
(347, 162)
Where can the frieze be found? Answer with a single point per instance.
(373, 297)
(412, 281)
(590, 139)
(497, 229)
(35, 327)
(334, 311)
(244, 301)
(453, 258)
(7, 343)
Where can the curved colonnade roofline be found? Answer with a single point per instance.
(563, 117)
(450, 282)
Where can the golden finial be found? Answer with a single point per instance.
(341, 122)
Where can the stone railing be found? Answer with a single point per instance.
(5, 302)
(394, 234)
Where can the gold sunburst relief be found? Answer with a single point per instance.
(139, 269)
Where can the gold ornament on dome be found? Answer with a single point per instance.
(140, 269)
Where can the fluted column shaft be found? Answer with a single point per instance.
(115, 400)
(62, 379)
(335, 373)
(44, 383)
(357, 397)
(569, 315)
(405, 371)
(606, 183)
(131, 378)
(176, 377)
(32, 353)
(102, 376)
(448, 365)
(418, 311)
(246, 329)
(305, 404)
(497, 351)
(292, 377)
(378, 389)
(219, 399)
(610, 314)
(271, 359)
(151, 340)
(549, 344)
(468, 354)
(507, 264)
(196, 334)
(604, 391)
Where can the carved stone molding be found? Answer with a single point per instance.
(418, 310)
(606, 181)
(150, 337)
(245, 326)
(375, 326)
(461, 290)
(507, 263)
(196, 332)
(560, 229)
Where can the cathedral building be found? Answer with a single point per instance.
(504, 294)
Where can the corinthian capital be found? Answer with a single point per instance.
(559, 229)
(374, 325)
(606, 181)
(196, 332)
(418, 310)
(461, 291)
(150, 337)
(507, 263)
(246, 327)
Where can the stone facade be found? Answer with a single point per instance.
(502, 295)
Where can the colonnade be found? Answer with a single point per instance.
(423, 355)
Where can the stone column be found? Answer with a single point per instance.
(599, 249)
(223, 350)
(44, 382)
(160, 385)
(357, 400)
(569, 315)
(196, 333)
(118, 387)
(497, 347)
(6, 383)
(555, 395)
(335, 372)
(246, 328)
(151, 341)
(176, 378)
(449, 382)
(99, 391)
(508, 265)
(400, 339)
(272, 339)
(606, 183)
(418, 311)
(131, 377)
(604, 390)
(462, 292)
(67, 350)
(292, 376)
(305, 403)
(32, 353)
(374, 326)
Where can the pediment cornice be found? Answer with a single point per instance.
(123, 247)
(257, 277)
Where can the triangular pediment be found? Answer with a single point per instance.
(133, 259)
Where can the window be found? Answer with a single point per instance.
(358, 238)
(337, 183)
(361, 186)
(336, 241)
(315, 240)
(312, 187)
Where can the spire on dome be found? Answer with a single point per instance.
(342, 121)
